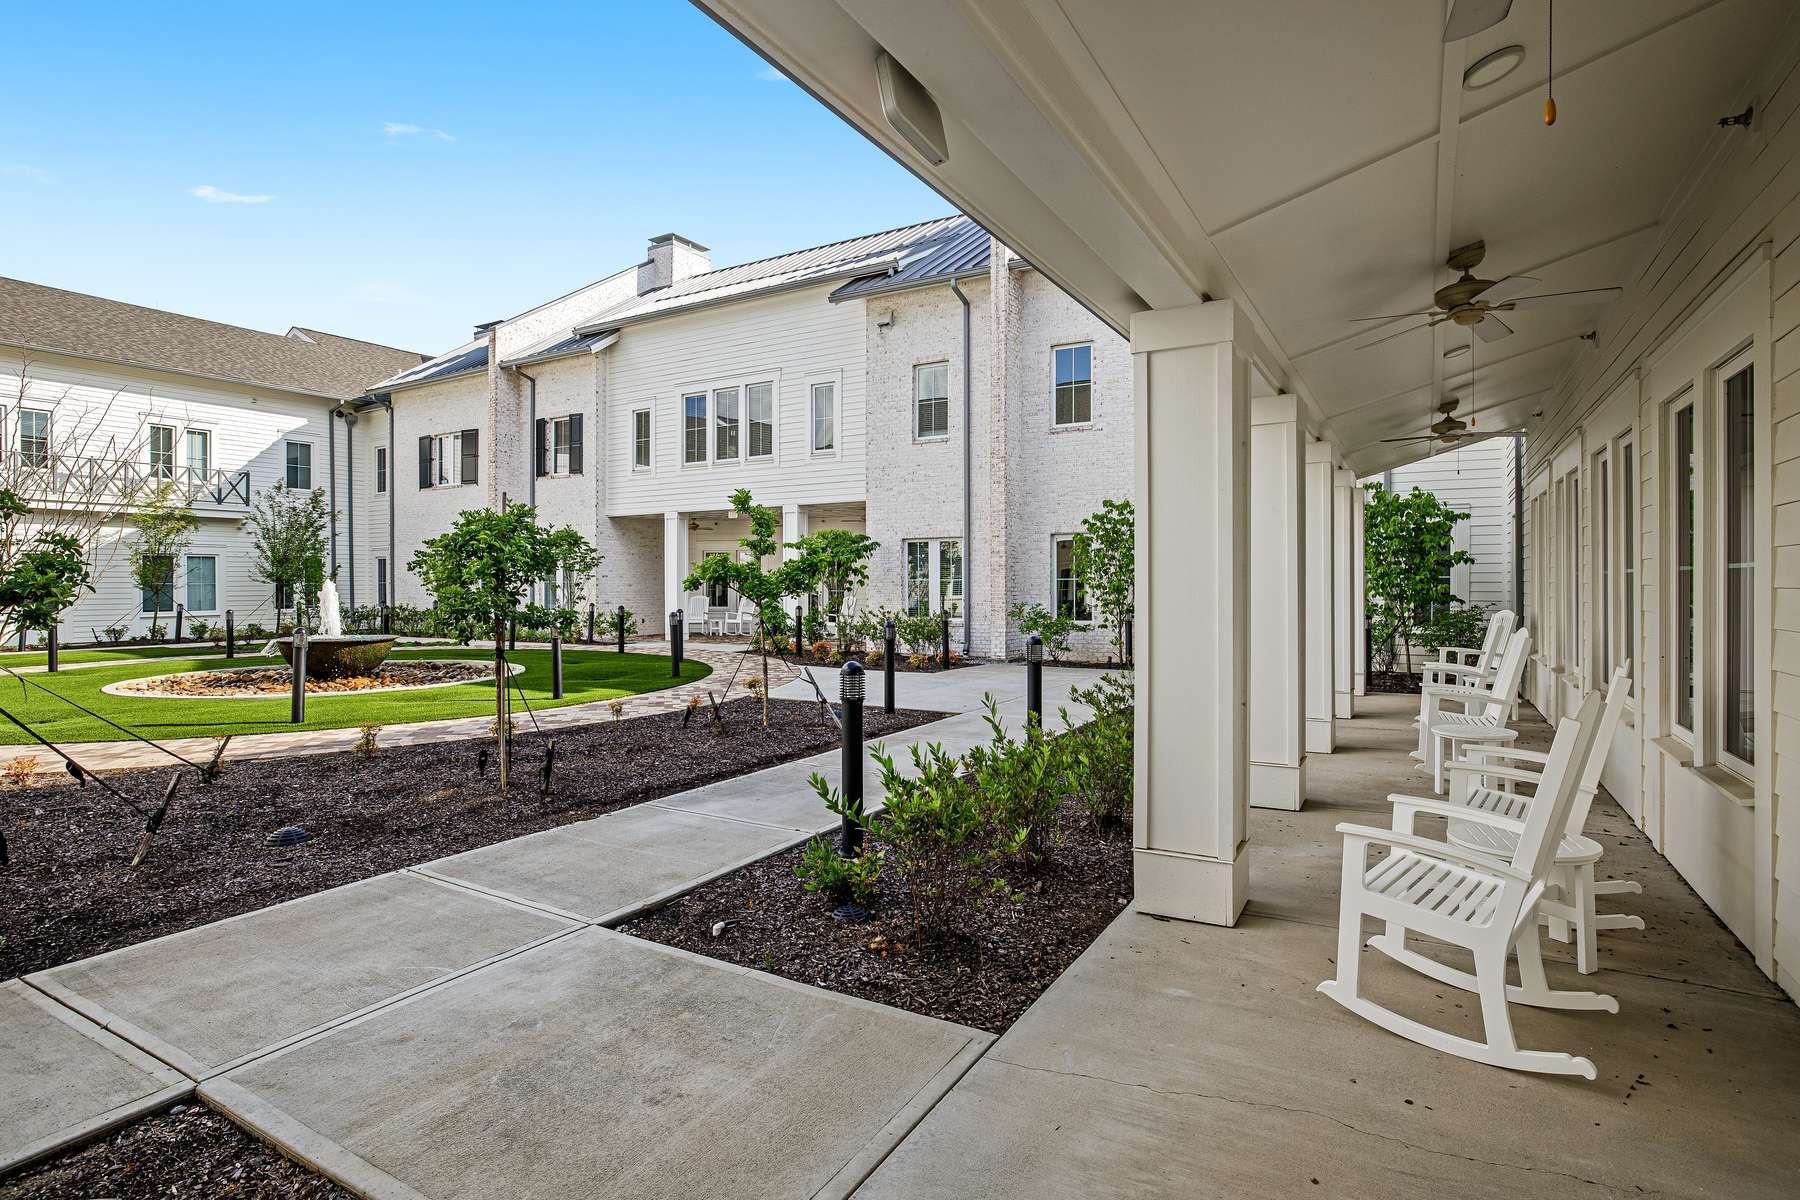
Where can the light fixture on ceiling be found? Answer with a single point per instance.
(1492, 68)
(1456, 351)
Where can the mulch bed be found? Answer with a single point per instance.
(1392, 683)
(184, 1151)
(69, 893)
(986, 981)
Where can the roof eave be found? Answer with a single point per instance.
(525, 360)
(617, 323)
(144, 366)
(909, 285)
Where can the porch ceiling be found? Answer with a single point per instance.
(1314, 160)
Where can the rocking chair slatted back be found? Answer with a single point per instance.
(1549, 812)
(1617, 692)
(1500, 627)
(1511, 669)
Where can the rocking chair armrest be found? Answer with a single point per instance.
(1484, 752)
(1445, 653)
(1456, 691)
(1470, 859)
(1487, 771)
(1452, 668)
(1410, 806)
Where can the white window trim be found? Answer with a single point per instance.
(212, 446)
(649, 412)
(837, 417)
(376, 480)
(934, 575)
(1602, 568)
(913, 417)
(773, 383)
(1627, 564)
(1064, 426)
(1712, 449)
(550, 425)
(312, 461)
(177, 442)
(186, 560)
(681, 431)
(1056, 541)
(712, 429)
(1688, 397)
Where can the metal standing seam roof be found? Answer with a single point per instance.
(958, 251)
(465, 359)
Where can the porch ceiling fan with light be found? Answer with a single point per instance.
(1474, 303)
(1451, 429)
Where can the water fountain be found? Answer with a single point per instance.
(333, 654)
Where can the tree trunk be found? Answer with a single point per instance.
(500, 721)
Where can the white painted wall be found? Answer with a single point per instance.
(1476, 479)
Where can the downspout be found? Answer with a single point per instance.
(531, 432)
(968, 538)
(350, 493)
(331, 475)
(393, 486)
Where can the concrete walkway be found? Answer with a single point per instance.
(491, 1015)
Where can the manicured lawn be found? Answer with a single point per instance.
(588, 675)
(38, 658)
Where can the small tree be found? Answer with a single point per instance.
(1409, 548)
(41, 577)
(838, 561)
(762, 588)
(478, 572)
(287, 533)
(1105, 560)
(164, 524)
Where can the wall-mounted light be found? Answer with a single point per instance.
(1492, 68)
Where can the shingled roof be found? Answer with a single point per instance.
(35, 317)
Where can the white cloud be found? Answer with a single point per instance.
(771, 75)
(213, 195)
(395, 129)
(26, 171)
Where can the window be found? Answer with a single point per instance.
(34, 438)
(202, 583)
(726, 427)
(381, 469)
(640, 440)
(559, 445)
(1601, 524)
(824, 417)
(160, 598)
(299, 465)
(1628, 555)
(1074, 386)
(162, 452)
(450, 459)
(931, 400)
(552, 598)
(693, 432)
(1071, 594)
(1738, 702)
(284, 596)
(381, 582)
(199, 451)
(759, 404)
(1686, 496)
(934, 576)
(446, 454)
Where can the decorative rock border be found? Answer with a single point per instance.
(132, 689)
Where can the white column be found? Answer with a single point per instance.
(1192, 385)
(1277, 604)
(1359, 645)
(793, 528)
(1321, 726)
(675, 563)
(1343, 579)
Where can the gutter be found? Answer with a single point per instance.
(531, 432)
(387, 402)
(968, 484)
(873, 267)
(525, 360)
(331, 476)
(910, 285)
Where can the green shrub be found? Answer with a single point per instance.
(1019, 786)
(1054, 629)
(920, 633)
(934, 825)
(115, 633)
(613, 620)
(825, 870)
(1458, 625)
(1096, 759)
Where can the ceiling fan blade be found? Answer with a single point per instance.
(1427, 437)
(1492, 329)
(1587, 296)
(1470, 17)
(1510, 286)
(1428, 312)
(1399, 333)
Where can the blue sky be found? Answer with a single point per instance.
(398, 172)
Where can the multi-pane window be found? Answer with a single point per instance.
(1074, 387)
(727, 428)
(1071, 595)
(1686, 500)
(693, 428)
(934, 576)
(381, 581)
(1602, 527)
(640, 440)
(759, 406)
(563, 450)
(931, 400)
(160, 597)
(824, 417)
(381, 469)
(199, 452)
(161, 444)
(446, 460)
(34, 437)
(202, 583)
(1738, 727)
(299, 465)
(1628, 556)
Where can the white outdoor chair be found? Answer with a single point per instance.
(1487, 781)
(1484, 905)
(693, 609)
(1461, 665)
(740, 622)
(1486, 710)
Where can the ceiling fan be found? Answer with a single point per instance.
(1474, 302)
(1449, 428)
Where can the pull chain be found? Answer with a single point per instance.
(1550, 64)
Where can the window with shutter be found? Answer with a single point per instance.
(471, 455)
(575, 444)
(425, 461)
(540, 434)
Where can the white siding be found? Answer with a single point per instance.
(1476, 479)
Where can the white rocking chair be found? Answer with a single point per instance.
(1469, 667)
(1471, 900)
(1487, 711)
(1487, 780)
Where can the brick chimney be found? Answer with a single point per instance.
(671, 258)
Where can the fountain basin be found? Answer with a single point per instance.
(340, 656)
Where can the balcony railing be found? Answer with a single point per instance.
(75, 480)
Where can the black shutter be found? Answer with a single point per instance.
(540, 431)
(575, 444)
(471, 456)
(425, 461)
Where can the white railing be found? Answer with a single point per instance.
(68, 479)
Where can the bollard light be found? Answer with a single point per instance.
(887, 667)
(675, 643)
(230, 634)
(621, 629)
(1034, 681)
(556, 679)
(592, 615)
(297, 700)
(945, 620)
(851, 685)
(50, 647)
(799, 632)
